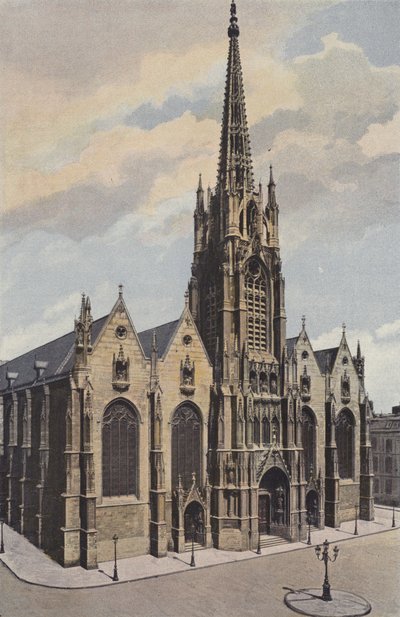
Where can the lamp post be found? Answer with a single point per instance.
(326, 558)
(393, 516)
(2, 539)
(259, 541)
(115, 575)
(309, 527)
(192, 561)
(356, 521)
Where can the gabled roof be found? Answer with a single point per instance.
(163, 334)
(291, 344)
(326, 358)
(59, 354)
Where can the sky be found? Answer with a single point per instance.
(111, 108)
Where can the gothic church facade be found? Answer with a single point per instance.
(214, 426)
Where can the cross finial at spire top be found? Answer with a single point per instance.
(303, 321)
(233, 30)
(343, 328)
(120, 290)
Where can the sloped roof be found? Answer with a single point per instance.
(163, 334)
(291, 344)
(58, 354)
(326, 358)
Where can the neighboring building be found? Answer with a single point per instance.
(214, 424)
(385, 441)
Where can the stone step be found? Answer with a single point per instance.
(268, 541)
(196, 545)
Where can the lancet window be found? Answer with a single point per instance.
(256, 301)
(345, 443)
(120, 439)
(186, 446)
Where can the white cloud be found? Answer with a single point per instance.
(381, 138)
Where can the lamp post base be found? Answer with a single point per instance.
(310, 602)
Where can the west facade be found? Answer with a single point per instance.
(214, 427)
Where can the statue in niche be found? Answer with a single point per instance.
(273, 384)
(305, 385)
(279, 506)
(345, 386)
(187, 376)
(263, 382)
(230, 474)
(253, 381)
(121, 366)
(120, 370)
(79, 334)
(187, 370)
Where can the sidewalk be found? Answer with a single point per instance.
(32, 566)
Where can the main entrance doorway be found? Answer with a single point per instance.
(273, 502)
(194, 523)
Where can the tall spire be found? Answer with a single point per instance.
(235, 170)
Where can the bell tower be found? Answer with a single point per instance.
(237, 289)
(236, 295)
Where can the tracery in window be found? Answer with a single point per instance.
(120, 450)
(345, 443)
(186, 446)
(256, 301)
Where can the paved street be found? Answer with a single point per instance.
(367, 566)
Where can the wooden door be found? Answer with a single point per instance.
(264, 513)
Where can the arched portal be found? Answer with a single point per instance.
(194, 523)
(273, 501)
(312, 506)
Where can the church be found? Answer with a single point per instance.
(215, 427)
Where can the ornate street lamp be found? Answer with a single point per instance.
(309, 527)
(393, 516)
(115, 575)
(356, 520)
(326, 558)
(2, 539)
(192, 561)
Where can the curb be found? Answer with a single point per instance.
(201, 567)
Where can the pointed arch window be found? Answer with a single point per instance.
(256, 302)
(120, 440)
(308, 440)
(186, 446)
(345, 443)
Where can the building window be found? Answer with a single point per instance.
(256, 302)
(388, 464)
(373, 443)
(388, 487)
(308, 439)
(120, 450)
(388, 445)
(376, 485)
(186, 446)
(345, 443)
(376, 464)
